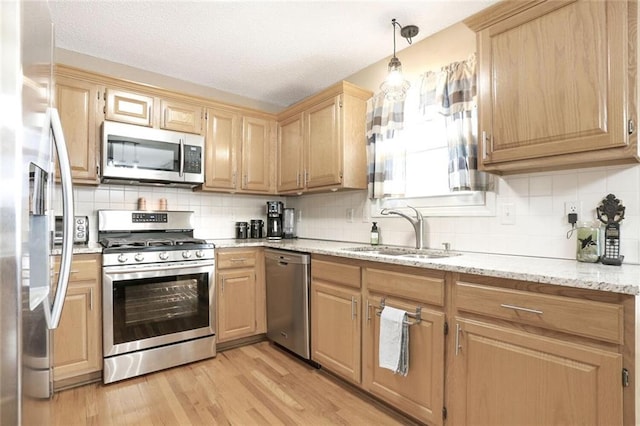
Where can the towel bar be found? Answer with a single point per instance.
(417, 316)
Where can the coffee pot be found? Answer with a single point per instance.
(274, 220)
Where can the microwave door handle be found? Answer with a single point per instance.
(67, 218)
(181, 157)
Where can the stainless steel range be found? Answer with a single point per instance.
(158, 292)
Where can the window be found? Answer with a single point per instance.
(426, 168)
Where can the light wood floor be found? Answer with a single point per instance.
(252, 385)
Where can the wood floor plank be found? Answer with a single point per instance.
(258, 384)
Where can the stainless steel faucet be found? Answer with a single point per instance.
(418, 223)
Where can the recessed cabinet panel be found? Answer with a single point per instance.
(128, 107)
(420, 393)
(221, 149)
(256, 154)
(335, 329)
(240, 290)
(323, 147)
(236, 304)
(290, 168)
(509, 377)
(181, 117)
(77, 103)
(77, 342)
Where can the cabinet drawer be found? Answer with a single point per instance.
(407, 286)
(598, 320)
(236, 259)
(338, 273)
(82, 269)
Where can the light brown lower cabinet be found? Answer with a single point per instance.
(240, 293)
(510, 377)
(420, 392)
(77, 342)
(528, 357)
(336, 318)
(517, 353)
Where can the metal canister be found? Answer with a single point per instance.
(241, 230)
(256, 228)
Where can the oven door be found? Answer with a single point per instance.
(153, 305)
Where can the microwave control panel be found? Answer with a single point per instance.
(192, 159)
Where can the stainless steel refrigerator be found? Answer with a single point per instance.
(30, 140)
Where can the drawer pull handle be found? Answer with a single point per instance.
(238, 259)
(520, 308)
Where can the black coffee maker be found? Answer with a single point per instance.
(274, 220)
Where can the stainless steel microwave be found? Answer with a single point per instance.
(142, 155)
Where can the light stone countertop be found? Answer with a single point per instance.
(79, 249)
(568, 273)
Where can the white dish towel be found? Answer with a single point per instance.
(393, 349)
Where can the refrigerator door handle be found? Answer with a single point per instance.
(67, 218)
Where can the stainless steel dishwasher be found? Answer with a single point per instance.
(288, 278)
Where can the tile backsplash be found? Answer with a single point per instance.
(536, 200)
(215, 214)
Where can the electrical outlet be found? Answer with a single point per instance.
(571, 207)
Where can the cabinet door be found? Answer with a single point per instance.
(181, 117)
(510, 377)
(221, 149)
(77, 342)
(421, 392)
(290, 154)
(335, 329)
(236, 304)
(553, 81)
(77, 103)
(256, 154)
(323, 145)
(129, 107)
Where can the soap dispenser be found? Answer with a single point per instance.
(375, 234)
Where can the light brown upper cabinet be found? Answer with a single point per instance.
(78, 105)
(181, 116)
(240, 152)
(145, 109)
(322, 142)
(129, 107)
(556, 84)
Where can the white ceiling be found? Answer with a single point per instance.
(271, 51)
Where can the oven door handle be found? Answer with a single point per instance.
(157, 267)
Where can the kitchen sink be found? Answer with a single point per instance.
(403, 252)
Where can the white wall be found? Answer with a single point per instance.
(540, 227)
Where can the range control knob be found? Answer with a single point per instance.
(163, 255)
(122, 258)
(186, 254)
(139, 257)
(199, 253)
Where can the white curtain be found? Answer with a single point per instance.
(385, 154)
(451, 95)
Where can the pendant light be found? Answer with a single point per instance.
(395, 86)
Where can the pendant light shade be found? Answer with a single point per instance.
(395, 86)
